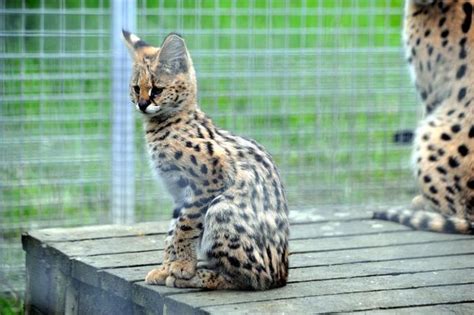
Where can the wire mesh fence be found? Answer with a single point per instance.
(321, 83)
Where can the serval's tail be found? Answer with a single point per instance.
(428, 221)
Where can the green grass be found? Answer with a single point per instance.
(327, 116)
(11, 306)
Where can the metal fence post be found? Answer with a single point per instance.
(123, 152)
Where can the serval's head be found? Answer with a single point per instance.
(163, 80)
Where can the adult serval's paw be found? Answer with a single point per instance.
(157, 276)
(183, 269)
(418, 203)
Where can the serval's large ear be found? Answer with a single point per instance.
(174, 56)
(136, 46)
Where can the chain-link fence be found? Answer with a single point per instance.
(322, 84)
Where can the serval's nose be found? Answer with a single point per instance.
(143, 104)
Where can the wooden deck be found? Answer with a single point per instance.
(341, 261)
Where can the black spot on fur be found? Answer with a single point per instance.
(239, 228)
(247, 266)
(461, 72)
(430, 50)
(193, 159)
(185, 228)
(234, 245)
(463, 150)
(446, 8)
(223, 217)
(178, 155)
(176, 212)
(471, 132)
(462, 93)
(195, 215)
(424, 95)
(441, 170)
(209, 147)
(234, 261)
(463, 52)
(466, 25)
(453, 162)
(199, 133)
(182, 182)
(441, 21)
(470, 184)
(445, 137)
(455, 128)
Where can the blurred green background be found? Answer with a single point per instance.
(321, 84)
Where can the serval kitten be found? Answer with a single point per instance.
(230, 205)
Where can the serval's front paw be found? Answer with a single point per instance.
(170, 282)
(183, 269)
(157, 276)
(418, 203)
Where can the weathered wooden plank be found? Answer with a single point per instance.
(100, 231)
(122, 260)
(92, 300)
(354, 301)
(343, 228)
(326, 287)
(38, 282)
(349, 256)
(364, 241)
(455, 308)
(108, 246)
(391, 267)
(332, 213)
(141, 243)
(46, 278)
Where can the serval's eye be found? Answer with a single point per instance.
(156, 91)
(136, 88)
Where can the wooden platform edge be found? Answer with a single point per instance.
(58, 284)
(62, 279)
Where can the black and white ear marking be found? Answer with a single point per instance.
(133, 42)
(174, 54)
